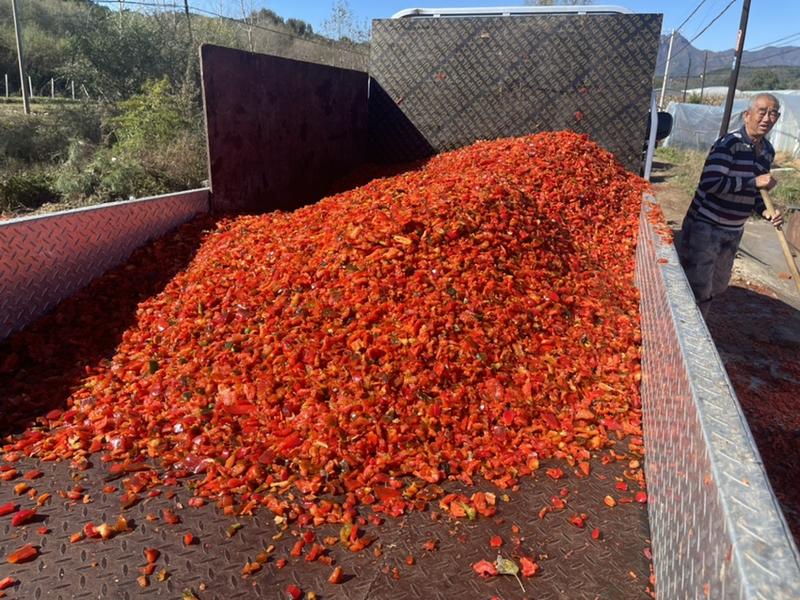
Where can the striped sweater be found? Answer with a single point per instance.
(726, 195)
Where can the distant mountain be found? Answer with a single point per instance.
(770, 56)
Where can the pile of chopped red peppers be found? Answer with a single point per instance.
(462, 320)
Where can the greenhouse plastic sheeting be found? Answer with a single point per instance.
(696, 126)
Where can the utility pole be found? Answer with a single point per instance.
(666, 71)
(686, 81)
(703, 78)
(18, 32)
(188, 21)
(737, 62)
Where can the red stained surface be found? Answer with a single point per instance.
(758, 338)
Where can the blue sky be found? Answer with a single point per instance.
(769, 19)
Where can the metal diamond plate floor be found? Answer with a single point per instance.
(572, 564)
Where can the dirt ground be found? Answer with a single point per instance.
(756, 328)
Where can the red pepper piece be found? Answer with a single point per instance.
(315, 552)
(578, 520)
(170, 517)
(250, 568)
(9, 475)
(90, 531)
(22, 517)
(361, 543)
(336, 576)
(484, 568)
(151, 554)
(529, 567)
(24, 554)
(7, 509)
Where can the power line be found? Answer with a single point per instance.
(706, 28)
(696, 8)
(787, 38)
(227, 18)
(708, 13)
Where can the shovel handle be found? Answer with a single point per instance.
(782, 239)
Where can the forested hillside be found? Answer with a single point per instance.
(135, 126)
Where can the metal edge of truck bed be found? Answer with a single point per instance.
(47, 258)
(716, 526)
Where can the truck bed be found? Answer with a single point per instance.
(572, 564)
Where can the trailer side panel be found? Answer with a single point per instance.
(280, 131)
(716, 526)
(48, 258)
(442, 83)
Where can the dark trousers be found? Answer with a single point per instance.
(706, 253)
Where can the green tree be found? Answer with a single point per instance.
(116, 53)
(299, 27)
(154, 144)
(765, 80)
(267, 16)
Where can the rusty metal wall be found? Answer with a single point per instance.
(280, 131)
(441, 83)
(45, 259)
(716, 526)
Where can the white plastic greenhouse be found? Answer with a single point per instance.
(696, 126)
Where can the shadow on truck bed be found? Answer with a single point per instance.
(41, 365)
(758, 338)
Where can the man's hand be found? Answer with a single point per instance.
(776, 219)
(765, 182)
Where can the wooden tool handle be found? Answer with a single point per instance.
(782, 239)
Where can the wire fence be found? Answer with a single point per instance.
(42, 89)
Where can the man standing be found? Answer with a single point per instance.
(736, 169)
